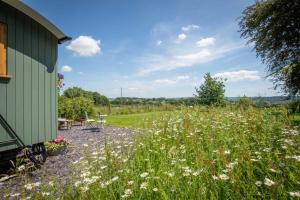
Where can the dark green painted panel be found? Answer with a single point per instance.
(27, 81)
(11, 60)
(35, 82)
(53, 89)
(20, 75)
(47, 89)
(28, 100)
(41, 75)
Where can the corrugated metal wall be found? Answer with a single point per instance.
(28, 100)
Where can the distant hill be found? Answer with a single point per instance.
(273, 100)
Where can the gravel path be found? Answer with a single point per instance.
(58, 166)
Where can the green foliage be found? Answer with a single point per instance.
(188, 101)
(212, 91)
(74, 108)
(75, 92)
(294, 106)
(65, 107)
(288, 79)
(82, 105)
(54, 149)
(245, 102)
(52, 146)
(97, 98)
(273, 26)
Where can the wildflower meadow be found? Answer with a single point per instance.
(194, 153)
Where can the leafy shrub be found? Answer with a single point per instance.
(245, 102)
(95, 97)
(65, 107)
(74, 108)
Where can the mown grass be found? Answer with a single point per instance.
(134, 109)
(195, 153)
(141, 120)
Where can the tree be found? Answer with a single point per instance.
(100, 99)
(273, 26)
(288, 79)
(245, 102)
(97, 98)
(212, 91)
(74, 92)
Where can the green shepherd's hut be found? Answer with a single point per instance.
(28, 76)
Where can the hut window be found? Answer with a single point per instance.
(3, 49)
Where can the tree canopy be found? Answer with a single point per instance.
(273, 26)
(97, 98)
(212, 91)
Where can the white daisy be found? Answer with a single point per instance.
(268, 182)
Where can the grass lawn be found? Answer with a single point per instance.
(140, 120)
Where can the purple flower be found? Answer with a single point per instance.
(60, 76)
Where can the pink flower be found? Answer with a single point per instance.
(59, 139)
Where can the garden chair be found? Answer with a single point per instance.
(89, 122)
(101, 121)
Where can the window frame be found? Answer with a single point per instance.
(5, 76)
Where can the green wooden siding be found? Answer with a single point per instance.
(28, 101)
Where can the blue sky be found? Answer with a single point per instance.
(154, 48)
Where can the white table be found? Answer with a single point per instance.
(101, 120)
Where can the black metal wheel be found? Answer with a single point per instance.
(39, 153)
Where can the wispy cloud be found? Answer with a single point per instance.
(181, 49)
(85, 46)
(185, 57)
(181, 37)
(239, 75)
(158, 42)
(165, 81)
(190, 27)
(172, 81)
(66, 68)
(205, 42)
(183, 77)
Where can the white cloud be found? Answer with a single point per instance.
(193, 58)
(190, 27)
(205, 42)
(239, 75)
(66, 68)
(133, 88)
(173, 80)
(158, 42)
(165, 81)
(85, 46)
(183, 77)
(181, 37)
(180, 58)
